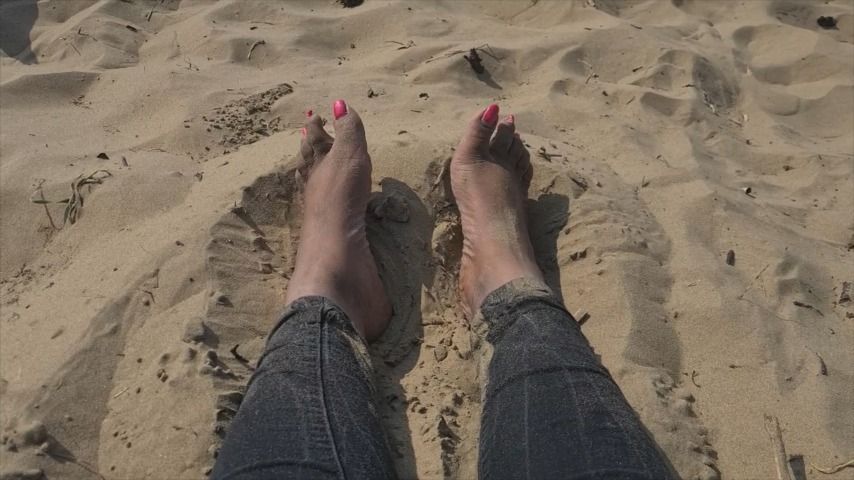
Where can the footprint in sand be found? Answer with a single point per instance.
(601, 238)
(250, 258)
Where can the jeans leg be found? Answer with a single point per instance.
(309, 409)
(551, 410)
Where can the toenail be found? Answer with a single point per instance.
(309, 113)
(490, 115)
(510, 119)
(339, 109)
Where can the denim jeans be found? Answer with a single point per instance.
(550, 409)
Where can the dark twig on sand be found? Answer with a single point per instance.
(822, 367)
(237, 356)
(403, 46)
(240, 358)
(542, 153)
(485, 48)
(150, 13)
(694, 375)
(807, 306)
(475, 61)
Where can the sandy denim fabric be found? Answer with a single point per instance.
(550, 410)
(309, 409)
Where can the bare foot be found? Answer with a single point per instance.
(334, 259)
(490, 178)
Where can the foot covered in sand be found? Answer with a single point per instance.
(334, 259)
(490, 174)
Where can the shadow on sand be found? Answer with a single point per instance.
(17, 18)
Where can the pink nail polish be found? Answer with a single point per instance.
(309, 113)
(490, 115)
(303, 132)
(339, 109)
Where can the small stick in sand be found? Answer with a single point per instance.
(444, 172)
(237, 356)
(83, 34)
(148, 18)
(756, 277)
(822, 367)
(835, 468)
(807, 306)
(403, 46)
(485, 48)
(259, 42)
(44, 203)
(772, 427)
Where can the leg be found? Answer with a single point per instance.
(550, 409)
(309, 411)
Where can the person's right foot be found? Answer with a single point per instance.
(490, 178)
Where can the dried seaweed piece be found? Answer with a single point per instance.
(75, 202)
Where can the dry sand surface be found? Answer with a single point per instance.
(665, 134)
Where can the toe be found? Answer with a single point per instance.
(480, 128)
(316, 142)
(349, 130)
(503, 135)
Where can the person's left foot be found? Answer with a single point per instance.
(334, 259)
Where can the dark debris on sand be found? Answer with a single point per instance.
(828, 23)
(475, 61)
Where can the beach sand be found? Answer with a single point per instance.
(664, 134)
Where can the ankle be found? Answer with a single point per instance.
(490, 276)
